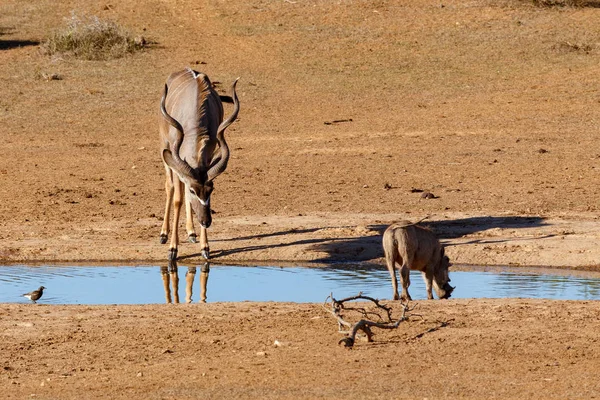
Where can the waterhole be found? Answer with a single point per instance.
(155, 284)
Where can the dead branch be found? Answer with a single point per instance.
(337, 307)
(337, 121)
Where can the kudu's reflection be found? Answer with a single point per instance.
(170, 278)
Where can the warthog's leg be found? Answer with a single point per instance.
(391, 266)
(405, 281)
(428, 278)
(204, 242)
(177, 198)
(189, 218)
(164, 231)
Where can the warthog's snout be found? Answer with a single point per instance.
(447, 289)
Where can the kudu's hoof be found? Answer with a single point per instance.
(192, 238)
(172, 255)
(206, 254)
(163, 238)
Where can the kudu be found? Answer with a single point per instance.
(193, 150)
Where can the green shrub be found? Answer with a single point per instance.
(91, 38)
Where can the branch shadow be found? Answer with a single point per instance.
(368, 248)
(224, 253)
(452, 229)
(268, 235)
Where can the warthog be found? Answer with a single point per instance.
(417, 248)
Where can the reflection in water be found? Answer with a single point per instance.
(141, 285)
(527, 285)
(170, 278)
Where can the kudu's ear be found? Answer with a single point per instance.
(183, 170)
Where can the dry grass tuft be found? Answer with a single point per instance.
(568, 3)
(91, 38)
(572, 47)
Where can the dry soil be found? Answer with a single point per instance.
(351, 111)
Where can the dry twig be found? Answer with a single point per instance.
(366, 323)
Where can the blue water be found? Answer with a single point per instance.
(144, 284)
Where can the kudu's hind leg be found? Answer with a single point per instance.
(164, 231)
(189, 218)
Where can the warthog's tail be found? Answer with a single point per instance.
(413, 223)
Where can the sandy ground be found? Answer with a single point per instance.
(350, 112)
(459, 349)
(321, 238)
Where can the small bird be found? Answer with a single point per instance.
(35, 295)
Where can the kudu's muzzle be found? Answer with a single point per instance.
(203, 214)
(205, 219)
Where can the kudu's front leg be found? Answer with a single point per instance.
(189, 218)
(164, 231)
(177, 198)
(189, 225)
(204, 242)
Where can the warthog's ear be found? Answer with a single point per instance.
(444, 257)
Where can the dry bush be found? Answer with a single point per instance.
(91, 38)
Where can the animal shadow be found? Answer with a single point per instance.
(369, 248)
